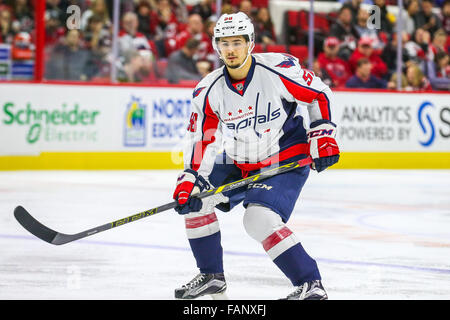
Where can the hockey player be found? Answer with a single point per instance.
(248, 107)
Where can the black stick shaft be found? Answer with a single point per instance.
(44, 233)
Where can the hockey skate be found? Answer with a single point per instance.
(212, 284)
(311, 290)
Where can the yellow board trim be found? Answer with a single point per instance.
(167, 160)
(93, 161)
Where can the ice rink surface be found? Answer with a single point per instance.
(378, 234)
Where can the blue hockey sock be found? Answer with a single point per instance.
(297, 265)
(208, 253)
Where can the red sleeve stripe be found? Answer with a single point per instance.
(308, 95)
(324, 106)
(209, 128)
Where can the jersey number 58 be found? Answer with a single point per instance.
(192, 127)
(308, 76)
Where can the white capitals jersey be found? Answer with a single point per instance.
(255, 120)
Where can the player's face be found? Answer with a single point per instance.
(233, 50)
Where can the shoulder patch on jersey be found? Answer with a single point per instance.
(197, 92)
(289, 61)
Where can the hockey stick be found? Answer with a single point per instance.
(51, 236)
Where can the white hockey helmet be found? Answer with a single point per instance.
(234, 24)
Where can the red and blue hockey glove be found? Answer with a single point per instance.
(189, 182)
(322, 144)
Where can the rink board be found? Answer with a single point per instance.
(55, 126)
(163, 160)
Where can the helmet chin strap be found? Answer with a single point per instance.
(245, 61)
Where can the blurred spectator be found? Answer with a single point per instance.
(445, 12)
(68, 60)
(344, 30)
(438, 44)
(22, 47)
(181, 64)
(418, 47)
(210, 23)
(54, 29)
(338, 69)
(438, 71)
(203, 67)
(426, 19)
(227, 8)
(194, 29)
(24, 15)
(53, 8)
(99, 63)
(392, 84)
(125, 6)
(180, 10)
(264, 29)
(146, 25)
(389, 54)
(245, 6)
(363, 31)
(322, 73)
(354, 6)
(409, 19)
(363, 77)
(365, 50)
(203, 8)
(132, 40)
(167, 26)
(99, 8)
(416, 79)
(6, 31)
(213, 60)
(138, 67)
(94, 32)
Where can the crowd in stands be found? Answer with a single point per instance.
(170, 41)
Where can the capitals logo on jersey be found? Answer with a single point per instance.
(251, 117)
(288, 62)
(197, 92)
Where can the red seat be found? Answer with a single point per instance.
(293, 18)
(292, 26)
(304, 19)
(161, 66)
(332, 16)
(260, 3)
(300, 52)
(321, 23)
(276, 48)
(255, 3)
(259, 48)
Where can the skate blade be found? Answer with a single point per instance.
(219, 296)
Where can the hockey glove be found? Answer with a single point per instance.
(322, 145)
(189, 182)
